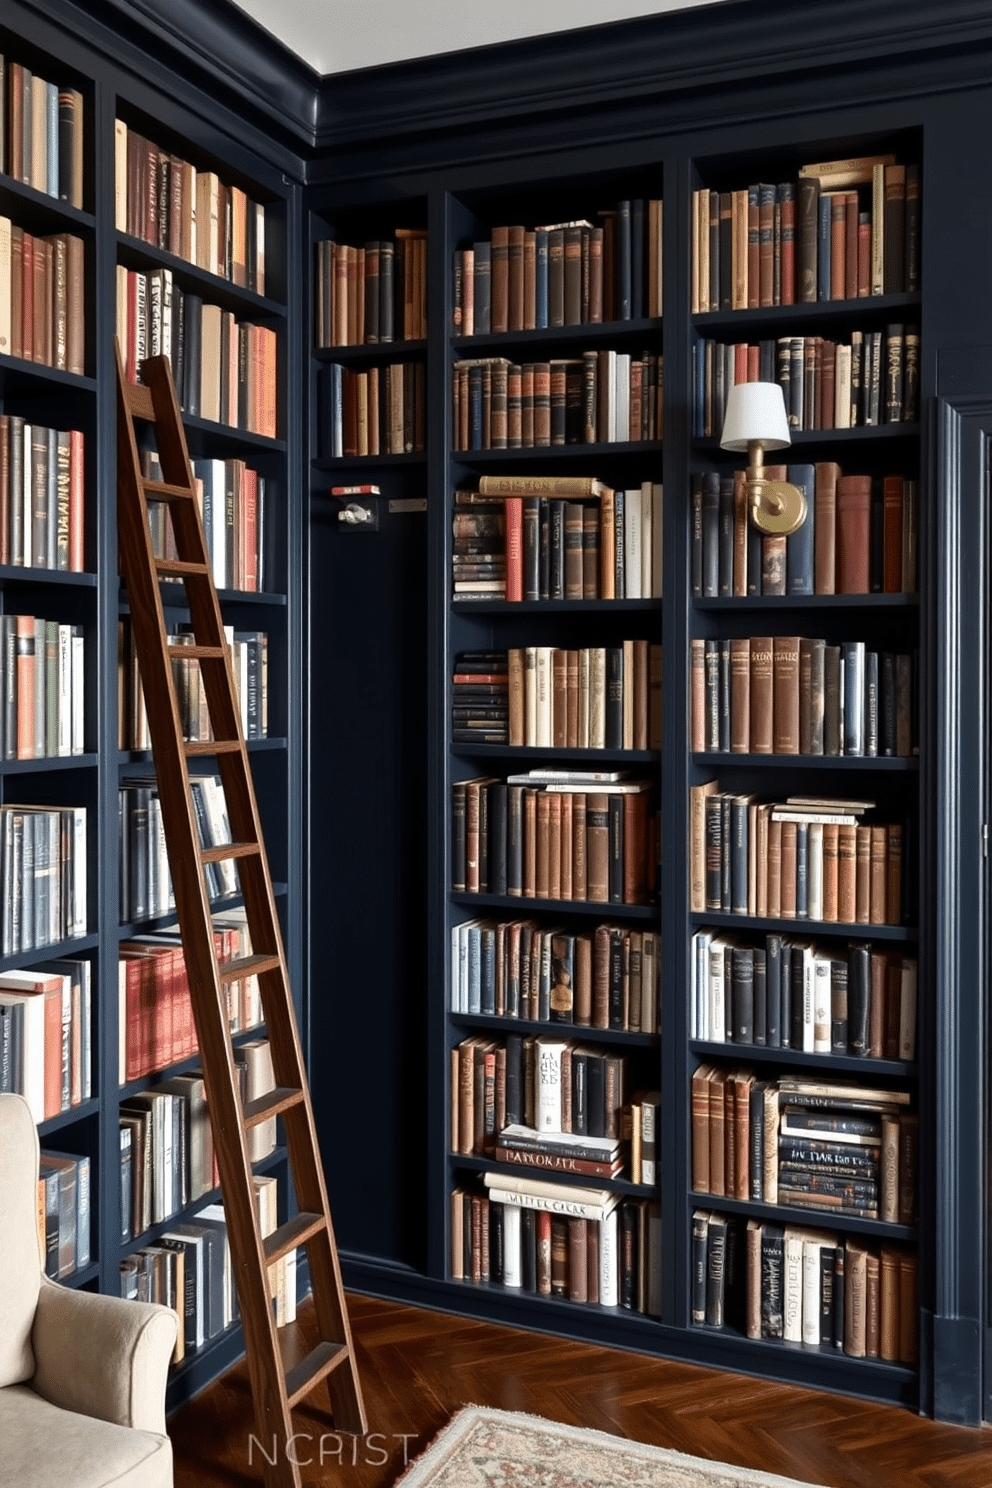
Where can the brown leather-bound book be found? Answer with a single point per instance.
(530, 842)
(888, 1171)
(595, 315)
(42, 334)
(697, 844)
(855, 1297)
(601, 977)
(572, 274)
(752, 1285)
(580, 861)
(598, 847)
(543, 823)
(838, 244)
(787, 891)
(909, 1304)
(892, 509)
(894, 231)
(762, 706)
(59, 300)
(826, 474)
(499, 284)
(544, 1249)
(466, 1095)
(785, 681)
(559, 697)
(873, 1309)
(542, 406)
(893, 887)
(740, 695)
(862, 874)
(846, 873)
(554, 800)
(571, 699)
(909, 1138)
(700, 1123)
(572, 537)
(773, 870)
(582, 1005)
(578, 1241)
(743, 1085)
(635, 848)
(697, 696)
(716, 1082)
(851, 246)
(730, 1134)
(878, 875)
(515, 278)
(641, 691)
(853, 534)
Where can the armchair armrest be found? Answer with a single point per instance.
(103, 1356)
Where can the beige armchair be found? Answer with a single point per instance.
(82, 1377)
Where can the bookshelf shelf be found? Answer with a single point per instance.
(866, 1068)
(38, 212)
(368, 351)
(558, 1030)
(49, 763)
(825, 1219)
(134, 253)
(83, 1112)
(869, 764)
(900, 933)
(548, 338)
(23, 379)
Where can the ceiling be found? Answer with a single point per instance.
(340, 35)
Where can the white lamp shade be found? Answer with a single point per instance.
(755, 411)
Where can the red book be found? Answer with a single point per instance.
(77, 482)
(27, 297)
(249, 521)
(853, 534)
(514, 548)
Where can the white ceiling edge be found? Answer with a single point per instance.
(335, 36)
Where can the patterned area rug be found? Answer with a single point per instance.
(481, 1448)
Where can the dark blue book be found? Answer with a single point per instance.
(726, 536)
(193, 318)
(738, 854)
(475, 408)
(759, 962)
(785, 1004)
(710, 512)
(742, 993)
(482, 290)
(802, 871)
(637, 309)
(799, 545)
(697, 537)
(541, 278)
(624, 261)
(823, 247)
(773, 985)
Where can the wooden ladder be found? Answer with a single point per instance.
(281, 1374)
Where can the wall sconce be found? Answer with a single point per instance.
(755, 421)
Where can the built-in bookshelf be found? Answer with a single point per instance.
(102, 175)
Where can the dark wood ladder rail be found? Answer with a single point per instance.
(278, 1382)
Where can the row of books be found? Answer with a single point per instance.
(171, 1145)
(597, 1249)
(845, 229)
(42, 298)
(561, 274)
(231, 498)
(795, 993)
(43, 874)
(560, 840)
(42, 684)
(146, 883)
(605, 978)
(803, 858)
(378, 411)
(600, 397)
(42, 483)
(249, 665)
(155, 1015)
(805, 1287)
(811, 1144)
(860, 536)
(167, 202)
(546, 1083)
(799, 695)
(363, 294)
(41, 133)
(64, 1181)
(596, 697)
(560, 537)
(189, 1269)
(46, 1024)
(872, 379)
(224, 369)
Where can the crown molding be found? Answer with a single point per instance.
(678, 53)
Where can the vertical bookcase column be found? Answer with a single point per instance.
(955, 842)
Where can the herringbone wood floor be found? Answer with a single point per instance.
(418, 1367)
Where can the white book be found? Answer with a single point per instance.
(597, 697)
(792, 1286)
(512, 1265)
(821, 1003)
(548, 1082)
(530, 696)
(649, 982)
(584, 676)
(516, 1132)
(812, 1306)
(64, 691)
(717, 990)
(16, 987)
(647, 538)
(27, 517)
(657, 541)
(544, 1188)
(842, 387)
(544, 697)
(77, 914)
(560, 1203)
(120, 175)
(622, 384)
(632, 556)
(609, 1266)
(606, 429)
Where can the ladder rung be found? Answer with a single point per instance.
(242, 966)
(197, 653)
(317, 1365)
(139, 400)
(175, 567)
(272, 1103)
(225, 850)
(212, 746)
(294, 1232)
(156, 490)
